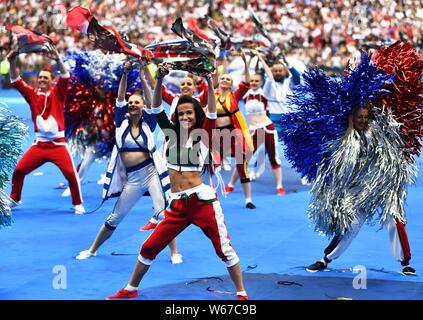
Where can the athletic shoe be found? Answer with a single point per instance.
(66, 193)
(176, 258)
(280, 191)
(79, 209)
(85, 255)
(148, 226)
(317, 266)
(409, 271)
(12, 203)
(124, 294)
(102, 179)
(226, 164)
(305, 182)
(229, 189)
(250, 205)
(242, 297)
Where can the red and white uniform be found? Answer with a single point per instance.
(198, 205)
(172, 99)
(47, 113)
(264, 132)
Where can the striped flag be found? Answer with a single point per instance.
(106, 38)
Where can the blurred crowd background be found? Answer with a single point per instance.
(324, 33)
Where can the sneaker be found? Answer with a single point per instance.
(102, 179)
(66, 193)
(85, 255)
(226, 164)
(150, 225)
(252, 175)
(280, 191)
(228, 188)
(79, 209)
(317, 266)
(176, 258)
(305, 182)
(409, 271)
(124, 294)
(250, 205)
(12, 203)
(242, 297)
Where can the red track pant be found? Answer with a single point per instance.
(189, 208)
(35, 157)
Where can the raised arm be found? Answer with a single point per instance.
(296, 77)
(158, 109)
(63, 69)
(12, 56)
(269, 74)
(246, 68)
(123, 82)
(147, 92)
(211, 98)
(157, 95)
(150, 77)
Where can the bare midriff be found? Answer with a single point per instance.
(131, 159)
(257, 119)
(184, 180)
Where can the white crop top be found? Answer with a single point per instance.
(255, 102)
(130, 143)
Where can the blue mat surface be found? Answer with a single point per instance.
(275, 243)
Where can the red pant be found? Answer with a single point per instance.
(35, 157)
(270, 142)
(206, 214)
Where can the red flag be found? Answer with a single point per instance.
(79, 18)
(29, 40)
(31, 36)
(107, 38)
(192, 24)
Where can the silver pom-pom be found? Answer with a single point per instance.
(367, 176)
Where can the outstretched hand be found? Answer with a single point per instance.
(162, 71)
(53, 54)
(242, 54)
(127, 66)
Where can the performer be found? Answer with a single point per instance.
(277, 88)
(355, 137)
(230, 118)
(361, 134)
(47, 110)
(187, 87)
(192, 201)
(135, 165)
(261, 127)
(92, 137)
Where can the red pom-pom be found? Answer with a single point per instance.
(406, 98)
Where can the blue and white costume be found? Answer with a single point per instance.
(131, 183)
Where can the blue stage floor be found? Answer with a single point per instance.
(275, 243)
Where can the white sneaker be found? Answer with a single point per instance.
(102, 179)
(176, 258)
(13, 203)
(79, 209)
(252, 175)
(66, 193)
(226, 164)
(85, 255)
(304, 181)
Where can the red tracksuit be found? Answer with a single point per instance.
(47, 112)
